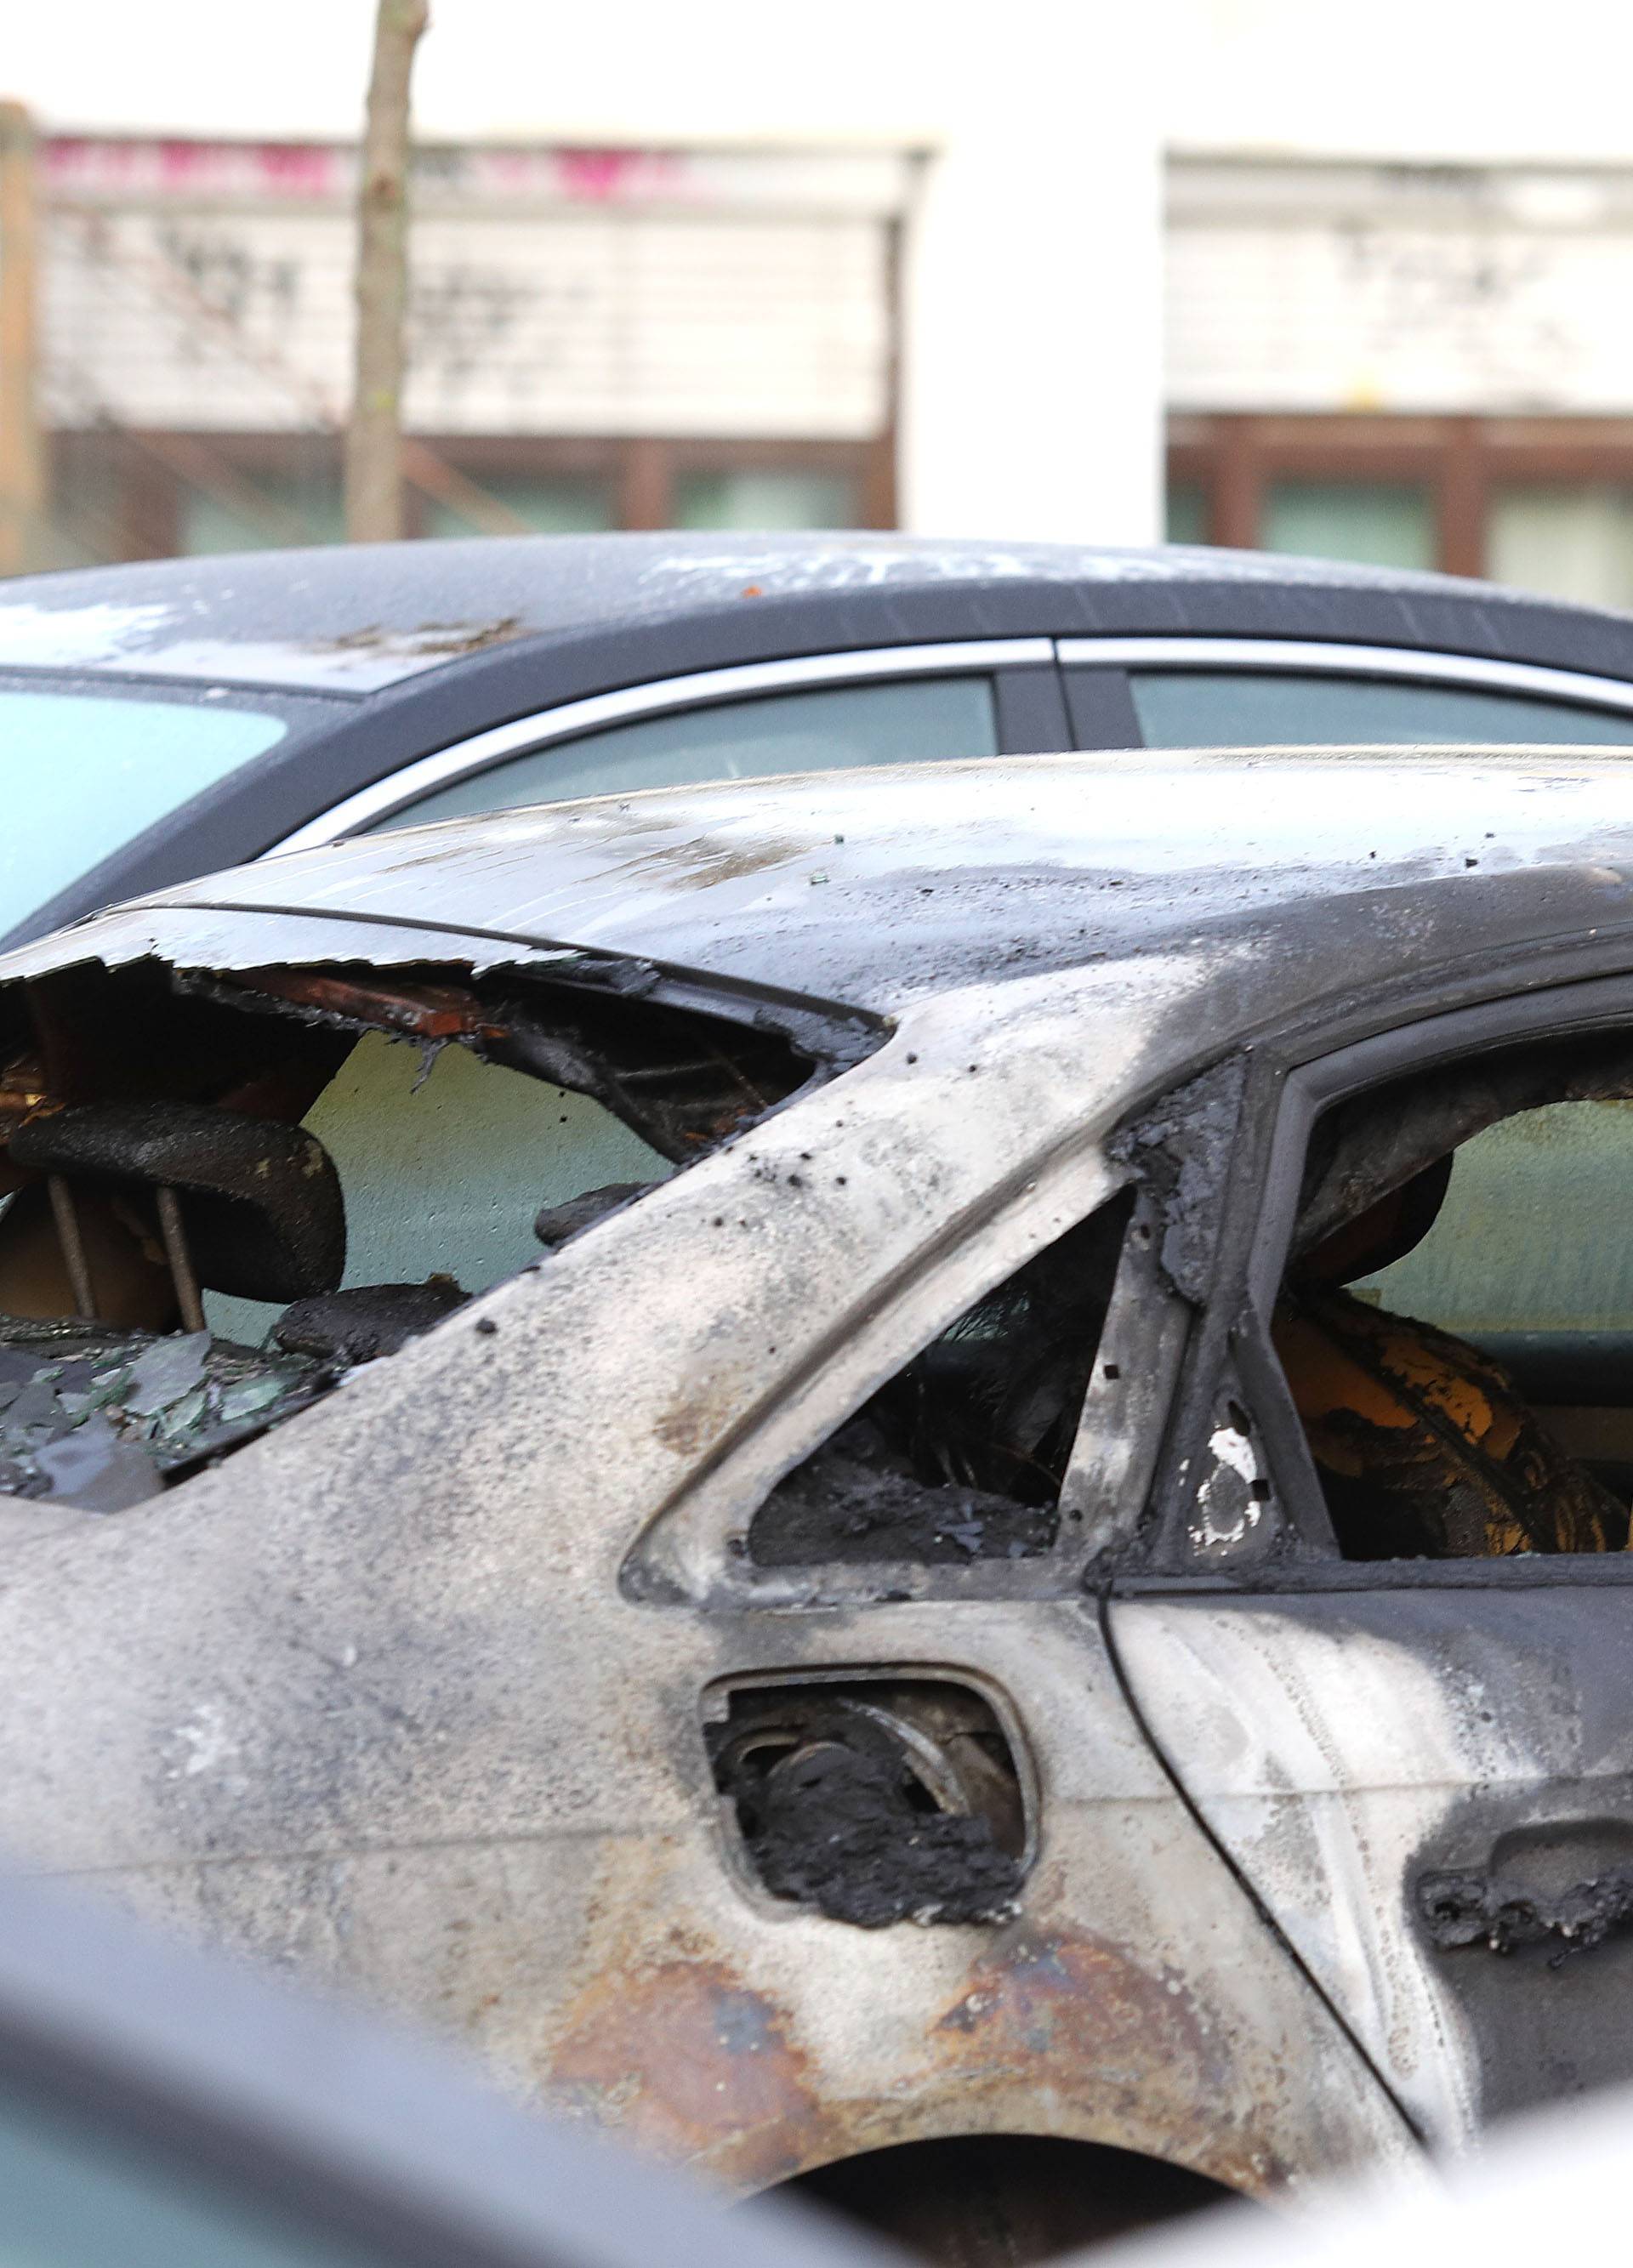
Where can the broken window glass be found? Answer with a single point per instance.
(1456, 1323)
(961, 1455)
(219, 1191)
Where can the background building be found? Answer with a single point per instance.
(598, 338)
(897, 265)
(1427, 365)
(670, 268)
(1399, 285)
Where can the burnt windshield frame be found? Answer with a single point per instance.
(1295, 1088)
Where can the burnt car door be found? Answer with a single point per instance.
(1382, 1636)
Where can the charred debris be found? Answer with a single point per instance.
(152, 1153)
(874, 1800)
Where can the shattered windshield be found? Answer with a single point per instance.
(220, 1190)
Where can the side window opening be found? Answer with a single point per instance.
(220, 1190)
(1456, 1319)
(434, 1158)
(961, 1455)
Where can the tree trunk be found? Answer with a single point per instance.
(373, 443)
(22, 457)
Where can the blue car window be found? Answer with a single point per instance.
(82, 774)
(1270, 709)
(74, 2194)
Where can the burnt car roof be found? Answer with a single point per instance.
(358, 619)
(874, 888)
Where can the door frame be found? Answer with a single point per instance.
(1288, 1085)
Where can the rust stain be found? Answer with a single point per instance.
(699, 863)
(1081, 2004)
(694, 2064)
(424, 640)
(697, 1415)
(425, 1012)
(1075, 2016)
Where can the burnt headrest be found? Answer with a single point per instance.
(261, 1201)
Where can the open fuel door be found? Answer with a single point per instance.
(1392, 1666)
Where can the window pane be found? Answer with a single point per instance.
(270, 509)
(1536, 1230)
(568, 506)
(828, 729)
(1260, 709)
(1187, 513)
(444, 1171)
(1384, 526)
(1457, 1317)
(768, 499)
(84, 774)
(961, 1455)
(1573, 542)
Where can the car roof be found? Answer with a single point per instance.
(872, 889)
(358, 619)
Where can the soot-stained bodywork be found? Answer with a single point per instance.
(464, 1685)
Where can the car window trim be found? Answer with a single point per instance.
(659, 697)
(1318, 658)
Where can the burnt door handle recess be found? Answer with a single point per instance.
(1498, 1910)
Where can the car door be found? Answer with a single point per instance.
(1422, 1766)
(1209, 692)
(824, 712)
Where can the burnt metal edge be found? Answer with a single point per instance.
(831, 1035)
(737, 1585)
(850, 1033)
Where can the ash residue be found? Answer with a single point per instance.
(1464, 1910)
(859, 1499)
(852, 1835)
(556, 1225)
(370, 1321)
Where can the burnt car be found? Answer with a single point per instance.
(164, 718)
(916, 1490)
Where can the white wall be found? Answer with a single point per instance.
(1032, 386)
(1450, 79)
(1335, 286)
(1031, 380)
